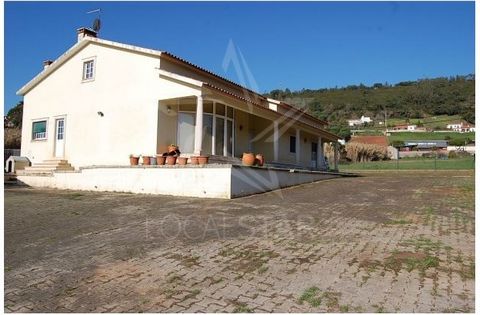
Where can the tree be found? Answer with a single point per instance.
(341, 129)
(15, 114)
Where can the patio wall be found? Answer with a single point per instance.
(211, 181)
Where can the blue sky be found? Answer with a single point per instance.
(294, 45)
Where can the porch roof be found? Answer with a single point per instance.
(295, 115)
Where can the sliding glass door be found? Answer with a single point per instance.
(207, 133)
(218, 131)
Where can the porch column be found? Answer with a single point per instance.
(197, 149)
(320, 156)
(335, 156)
(297, 146)
(275, 140)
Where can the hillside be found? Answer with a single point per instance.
(405, 100)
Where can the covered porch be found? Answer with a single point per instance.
(224, 127)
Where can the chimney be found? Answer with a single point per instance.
(85, 32)
(47, 64)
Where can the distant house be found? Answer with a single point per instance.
(376, 140)
(467, 128)
(358, 122)
(461, 127)
(405, 127)
(408, 128)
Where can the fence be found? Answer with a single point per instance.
(419, 163)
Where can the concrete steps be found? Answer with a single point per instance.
(9, 179)
(48, 167)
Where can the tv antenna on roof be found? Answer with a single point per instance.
(96, 23)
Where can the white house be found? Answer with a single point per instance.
(405, 127)
(102, 101)
(461, 127)
(361, 121)
(455, 126)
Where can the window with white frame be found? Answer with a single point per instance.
(39, 130)
(88, 70)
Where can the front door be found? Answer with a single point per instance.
(59, 137)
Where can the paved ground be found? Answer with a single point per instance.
(370, 244)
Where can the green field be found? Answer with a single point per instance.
(412, 164)
(403, 136)
(440, 121)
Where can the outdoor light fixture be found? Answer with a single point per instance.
(169, 109)
(100, 114)
(240, 127)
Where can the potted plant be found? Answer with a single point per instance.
(146, 159)
(161, 159)
(134, 159)
(248, 159)
(203, 159)
(259, 159)
(171, 159)
(172, 147)
(182, 160)
(194, 160)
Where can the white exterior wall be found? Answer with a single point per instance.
(213, 181)
(175, 181)
(126, 89)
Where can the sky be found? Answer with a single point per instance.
(277, 45)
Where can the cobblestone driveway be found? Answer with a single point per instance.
(388, 243)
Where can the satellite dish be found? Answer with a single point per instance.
(96, 25)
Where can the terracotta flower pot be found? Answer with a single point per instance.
(182, 160)
(146, 160)
(194, 160)
(260, 159)
(134, 160)
(202, 160)
(248, 159)
(171, 160)
(172, 148)
(161, 160)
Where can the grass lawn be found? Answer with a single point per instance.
(412, 164)
(403, 136)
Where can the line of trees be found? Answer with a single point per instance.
(409, 99)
